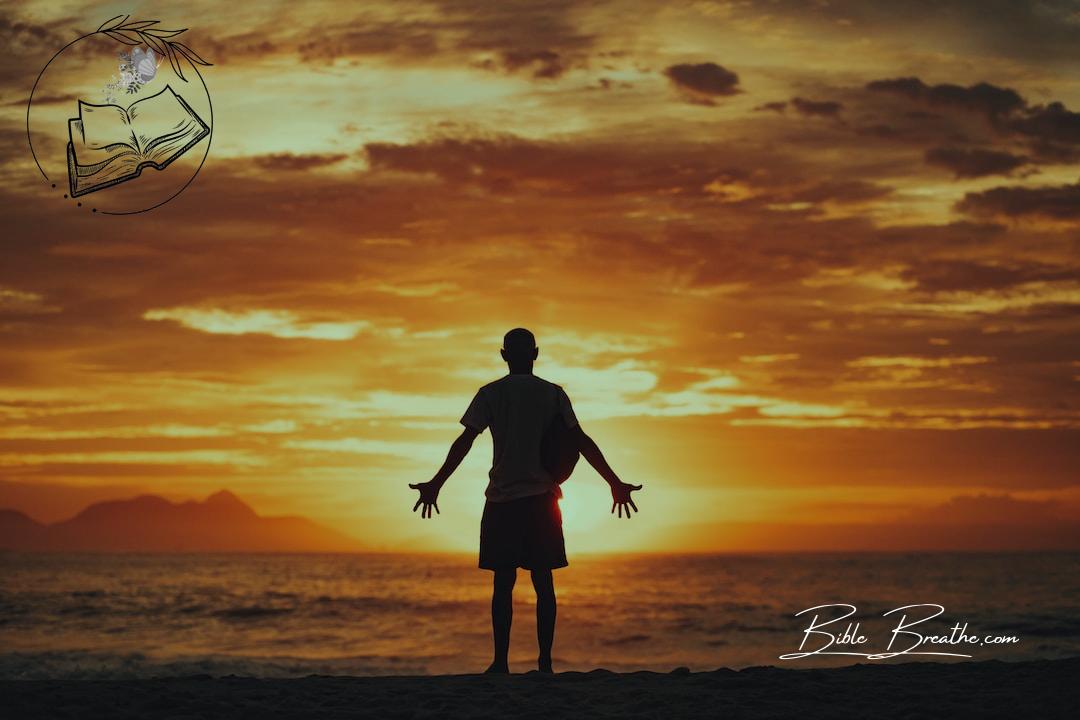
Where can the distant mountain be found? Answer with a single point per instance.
(17, 529)
(148, 523)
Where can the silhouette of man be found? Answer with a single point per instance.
(521, 525)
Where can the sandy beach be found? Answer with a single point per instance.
(992, 689)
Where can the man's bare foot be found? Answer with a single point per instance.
(497, 668)
(544, 665)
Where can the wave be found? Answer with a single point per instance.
(91, 665)
(89, 616)
(184, 606)
(252, 612)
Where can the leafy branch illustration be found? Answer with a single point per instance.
(143, 32)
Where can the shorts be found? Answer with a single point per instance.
(525, 533)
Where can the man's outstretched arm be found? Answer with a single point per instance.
(620, 491)
(429, 491)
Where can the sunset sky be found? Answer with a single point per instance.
(795, 263)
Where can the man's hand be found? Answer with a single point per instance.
(620, 497)
(429, 495)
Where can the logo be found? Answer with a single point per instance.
(120, 121)
(825, 636)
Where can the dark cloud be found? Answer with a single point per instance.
(840, 191)
(778, 106)
(225, 49)
(788, 249)
(702, 83)
(953, 275)
(499, 164)
(1050, 130)
(542, 40)
(509, 164)
(1061, 202)
(983, 98)
(542, 64)
(1039, 33)
(28, 44)
(1052, 123)
(1054, 153)
(344, 41)
(291, 162)
(962, 233)
(821, 108)
(974, 162)
(1028, 134)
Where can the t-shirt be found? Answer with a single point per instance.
(518, 408)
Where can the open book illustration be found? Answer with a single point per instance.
(109, 145)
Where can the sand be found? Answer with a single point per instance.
(1037, 689)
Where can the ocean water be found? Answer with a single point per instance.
(107, 616)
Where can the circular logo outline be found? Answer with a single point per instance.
(107, 28)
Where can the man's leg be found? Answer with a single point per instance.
(544, 585)
(502, 614)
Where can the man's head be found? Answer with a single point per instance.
(519, 347)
